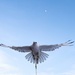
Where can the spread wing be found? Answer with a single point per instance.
(53, 47)
(20, 49)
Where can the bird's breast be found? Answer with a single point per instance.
(35, 49)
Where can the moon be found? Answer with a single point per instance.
(45, 10)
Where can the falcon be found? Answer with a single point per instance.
(36, 52)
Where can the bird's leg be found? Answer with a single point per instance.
(35, 68)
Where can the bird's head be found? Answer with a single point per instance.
(34, 43)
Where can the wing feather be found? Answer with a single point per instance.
(49, 47)
(20, 49)
(55, 46)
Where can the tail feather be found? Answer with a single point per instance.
(31, 60)
(43, 57)
(29, 57)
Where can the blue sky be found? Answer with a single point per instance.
(44, 21)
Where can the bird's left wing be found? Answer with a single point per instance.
(55, 46)
(20, 49)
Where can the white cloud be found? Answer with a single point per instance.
(9, 69)
(10, 74)
(5, 67)
(2, 57)
(45, 73)
(71, 71)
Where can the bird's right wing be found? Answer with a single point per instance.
(55, 46)
(20, 49)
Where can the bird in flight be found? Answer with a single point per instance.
(36, 52)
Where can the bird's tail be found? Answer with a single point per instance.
(29, 57)
(43, 57)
